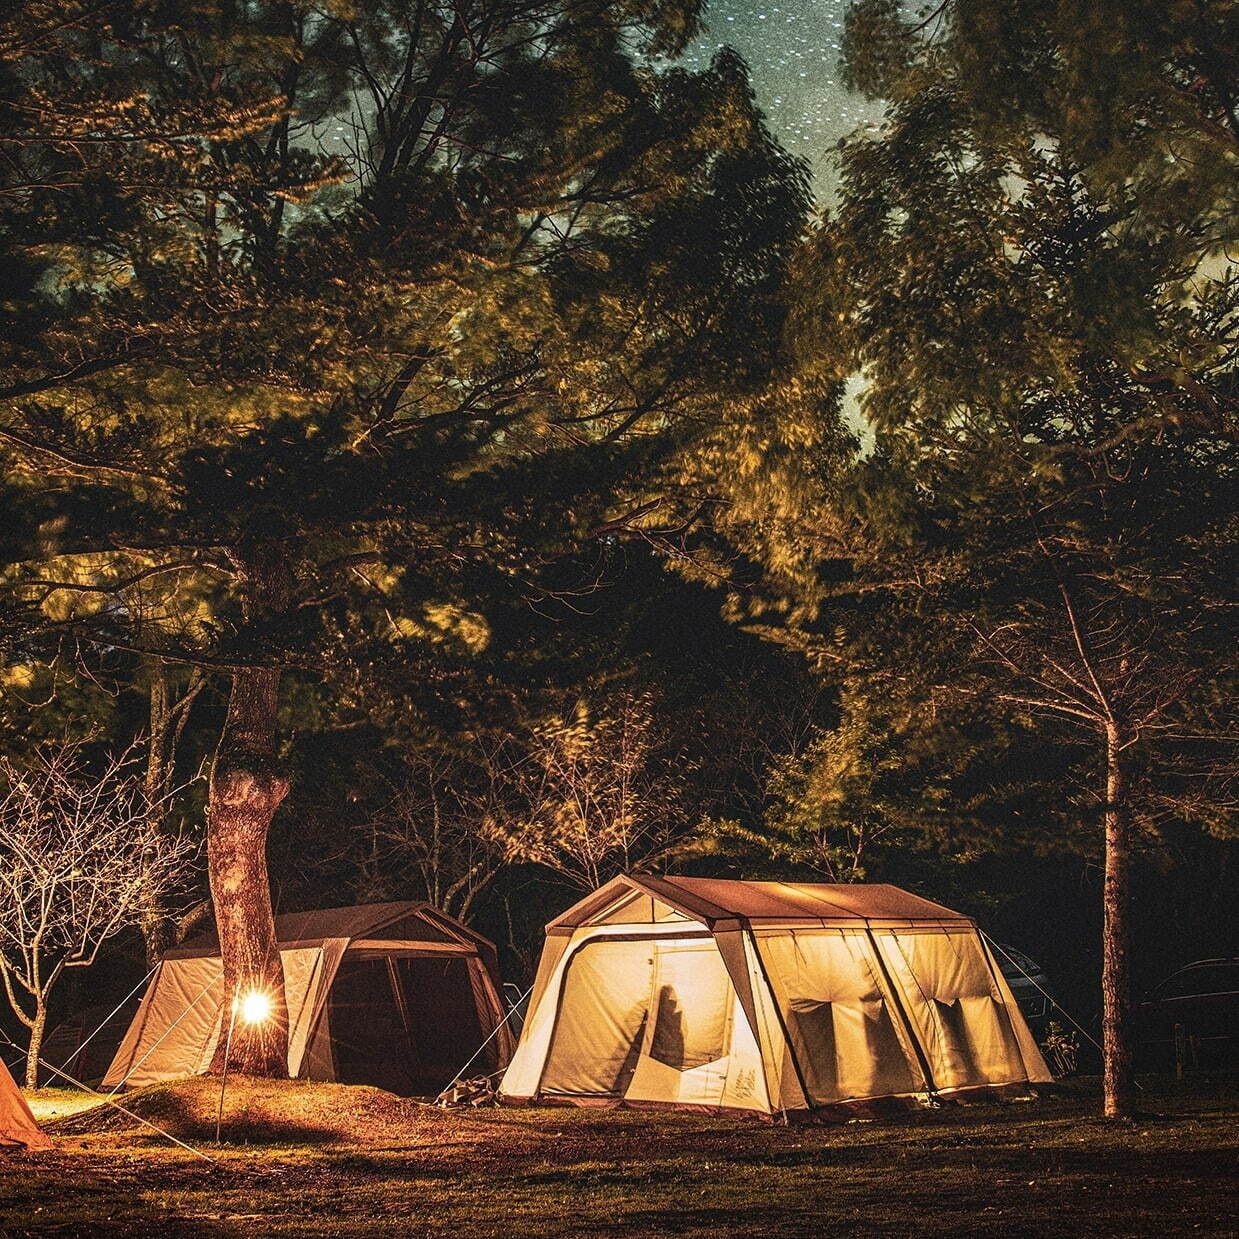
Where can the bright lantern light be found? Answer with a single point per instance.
(254, 1007)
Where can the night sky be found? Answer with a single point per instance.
(792, 49)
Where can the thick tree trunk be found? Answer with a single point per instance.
(1118, 1081)
(246, 789)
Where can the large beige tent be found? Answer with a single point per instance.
(765, 996)
(395, 994)
(18, 1128)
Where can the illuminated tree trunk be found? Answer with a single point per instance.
(246, 788)
(38, 1027)
(1118, 1080)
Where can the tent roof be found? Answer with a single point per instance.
(716, 899)
(361, 921)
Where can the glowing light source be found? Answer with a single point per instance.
(254, 1007)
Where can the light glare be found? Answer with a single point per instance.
(254, 1007)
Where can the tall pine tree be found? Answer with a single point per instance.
(384, 309)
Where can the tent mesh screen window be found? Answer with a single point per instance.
(402, 1023)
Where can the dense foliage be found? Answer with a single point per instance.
(1030, 270)
(365, 366)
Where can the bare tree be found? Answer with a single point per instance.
(81, 855)
(592, 795)
(433, 831)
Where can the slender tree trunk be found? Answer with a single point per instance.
(1118, 1081)
(38, 1027)
(154, 919)
(246, 788)
(160, 929)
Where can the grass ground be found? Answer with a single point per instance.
(325, 1160)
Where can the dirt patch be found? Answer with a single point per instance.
(1045, 1169)
(267, 1112)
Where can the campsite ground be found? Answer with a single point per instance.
(335, 1161)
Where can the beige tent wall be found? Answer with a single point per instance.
(602, 1013)
(780, 1075)
(644, 1020)
(178, 1024)
(319, 1060)
(1035, 1068)
(175, 1029)
(847, 1034)
(963, 1020)
(520, 1081)
(308, 975)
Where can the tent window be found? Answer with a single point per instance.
(813, 1033)
(956, 1049)
(691, 1005)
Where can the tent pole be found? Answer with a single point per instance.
(223, 1079)
(402, 1009)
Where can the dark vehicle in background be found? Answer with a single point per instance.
(1191, 1020)
(1029, 985)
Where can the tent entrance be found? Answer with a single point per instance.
(628, 1005)
(403, 1023)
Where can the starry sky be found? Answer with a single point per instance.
(792, 49)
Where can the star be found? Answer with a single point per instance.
(792, 50)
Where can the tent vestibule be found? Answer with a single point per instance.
(765, 997)
(395, 995)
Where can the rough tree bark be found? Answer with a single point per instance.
(246, 788)
(1118, 1081)
(38, 1029)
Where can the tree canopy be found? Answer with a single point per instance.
(1029, 271)
(341, 324)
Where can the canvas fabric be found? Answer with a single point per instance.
(955, 1007)
(841, 1016)
(651, 1020)
(18, 1128)
(720, 997)
(184, 1013)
